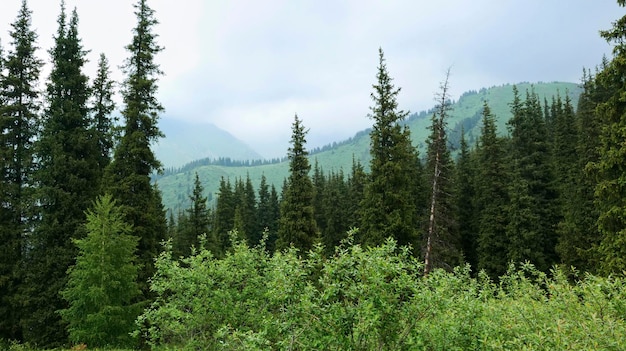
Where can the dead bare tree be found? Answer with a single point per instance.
(439, 147)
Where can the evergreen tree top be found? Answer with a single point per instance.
(299, 165)
(385, 109)
(23, 66)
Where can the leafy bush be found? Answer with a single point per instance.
(373, 299)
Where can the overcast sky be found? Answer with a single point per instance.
(249, 66)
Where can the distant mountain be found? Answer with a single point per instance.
(466, 113)
(187, 141)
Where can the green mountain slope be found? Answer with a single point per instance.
(466, 112)
(187, 141)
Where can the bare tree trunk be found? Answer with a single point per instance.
(431, 219)
(441, 114)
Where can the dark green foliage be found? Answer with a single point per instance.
(335, 211)
(68, 178)
(193, 223)
(465, 202)
(533, 210)
(224, 215)
(19, 106)
(268, 213)
(442, 242)
(491, 199)
(611, 188)
(275, 216)
(102, 108)
(247, 206)
(388, 208)
(577, 231)
(356, 188)
(319, 185)
(565, 140)
(102, 285)
(127, 177)
(297, 224)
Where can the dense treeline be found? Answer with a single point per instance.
(61, 150)
(228, 162)
(220, 161)
(82, 223)
(527, 196)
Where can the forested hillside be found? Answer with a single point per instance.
(494, 222)
(177, 182)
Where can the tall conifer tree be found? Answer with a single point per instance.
(127, 177)
(442, 241)
(319, 185)
(102, 107)
(335, 211)
(268, 213)
(356, 188)
(610, 168)
(578, 232)
(388, 208)
(224, 214)
(68, 178)
(465, 202)
(19, 107)
(533, 211)
(196, 223)
(297, 224)
(248, 206)
(492, 199)
(274, 218)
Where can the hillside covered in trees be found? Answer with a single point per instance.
(501, 226)
(176, 183)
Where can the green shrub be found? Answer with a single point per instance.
(372, 299)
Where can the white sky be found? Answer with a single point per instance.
(249, 66)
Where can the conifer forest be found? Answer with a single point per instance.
(507, 241)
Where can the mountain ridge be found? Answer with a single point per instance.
(187, 141)
(175, 184)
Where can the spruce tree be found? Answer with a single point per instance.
(356, 188)
(578, 232)
(491, 199)
(442, 247)
(68, 178)
(274, 219)
(102, 107)
(127, 177)
(388, 208)
(196, 223)
(102, 285)
(297, 224)
(533, 209)
(611, 188)
(19, 107)
(569, 174)
(239, 199)
(265, 215)
(335, 211)
(465, 203)
(224, 215)
(319, 185)
(248, 206)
